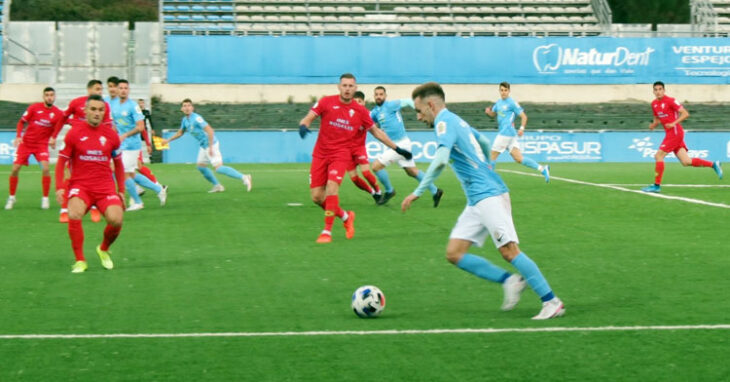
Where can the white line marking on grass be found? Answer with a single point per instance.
(674, 185)
(366, 332)
(661, 196)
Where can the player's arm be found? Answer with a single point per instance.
(488, 111)
(484, 143)
(177, 135)
(523, 123)
(655, 123)
(407, 102)
(440, 161)
(305, 123)
(683, 115)
(119, 174)
(211, 137)
(19, 132)
(60, 172)
(138, 127)
(380, 135)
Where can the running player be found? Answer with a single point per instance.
(41, 119)
(360, 159)
(669, 112)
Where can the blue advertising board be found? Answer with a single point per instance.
(473, 60)
(287, 147)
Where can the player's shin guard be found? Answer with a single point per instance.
(76, 233)
(46, 182)
(144, 170)
(13, 186)
(132, 190)
(332, 209)
(529, 270)
(697, 162)
(658, 172)
(385, 179)
(371, 179)
(481, 267)
(146, 183)
(361, 184)
(208, 175)
(110, 234)
(432, 189)
(529, 162)
(229, 171)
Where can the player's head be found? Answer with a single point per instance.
(94, 87)
(49, 96)
(658, 88)
(111, 85)
(347, 87)
(504, 89)
(359, 97)
(428, 99)
(187, 107)
(123, 89)
(95, 107)
(380, 95)
(140, 102)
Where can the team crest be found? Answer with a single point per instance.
(441, 128)
(52, 115)
(352, 112)
(102, 140)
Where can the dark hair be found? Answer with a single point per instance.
(659, 83)
(94, 97)
(113, 79)
(92, 83)
(347, 75)
(122, 81)
(504, 84)
(187, 100)
(359, 94)
(49, 89)
(380, 87)
(427, 90)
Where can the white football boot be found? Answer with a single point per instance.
(513, 287)
(45, 203)
(217, 188)
(550, 309)
(247, 182)
(163, 196)
(11, 202)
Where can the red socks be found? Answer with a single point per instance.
(76, 233)
(697, 162)
(371, 179)
(46, 181)
(361, 184)
(110, 234)
(144, 170)
(332, 209)
(13, 185)
(658, 172)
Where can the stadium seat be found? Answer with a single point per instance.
(213, 18)
(197, 18)
(197, 8)
(227, 18)
(212, 8)
(183, 18)
(183, 8)
(168, 18)
(169, 8)
(226, 8)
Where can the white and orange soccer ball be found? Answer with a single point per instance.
(368, 301)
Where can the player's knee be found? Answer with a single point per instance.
(509, 251)
(686, 162)
(454, 255)
(412, 171)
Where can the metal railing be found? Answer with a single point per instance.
(7, 55)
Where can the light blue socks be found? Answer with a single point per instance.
(228, 171)
(529, 162)
(130, 185)
(529, 270)
(208, 175)
(385, 180)
(481, 267)
(146, 183)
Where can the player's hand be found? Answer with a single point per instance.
(406, 204)
(651, 127)
(165, 142)
(404, 153)
(149, 149)
(59, 196)
(52, 143)
(670, 125)
(303, 131)
(520, 132)
(17, 141)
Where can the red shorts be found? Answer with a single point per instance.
(326, 169)
(673, 142)
(101, 200)
(359, 157)
(23, 153)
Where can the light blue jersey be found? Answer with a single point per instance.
(469, 162)
(195, 125)
(507, 110)
(389, 118)
(125, 116)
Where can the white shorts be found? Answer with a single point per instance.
(130, 158)
(502, 142)
(389, 156)
(204, 155)
(491, 216)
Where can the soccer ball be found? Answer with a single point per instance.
(368, 301)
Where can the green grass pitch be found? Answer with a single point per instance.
(247, 262)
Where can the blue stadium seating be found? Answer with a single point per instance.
(183, 8)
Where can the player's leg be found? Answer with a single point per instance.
(113, 213)
(379, 166)
(529, 162)
(206, 172)
(370, 177)
(658, 172)
(12, 185)
(684, 158)
(358, 181)
(45, 183)
(77, 206)
(335, 171)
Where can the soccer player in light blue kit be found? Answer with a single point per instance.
(387, 115)
(129, 121)
(209, 151)
(488, 210)
(505, 109)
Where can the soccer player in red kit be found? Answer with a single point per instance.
(360, 159)
(669, 112)
(76, 112)
(341, 119)
(90, 147)
(41, 118)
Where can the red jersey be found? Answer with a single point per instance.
(41, 121)
(75, 109)
(360, 137)
(341, 123)
(667, 110)
(90, 151)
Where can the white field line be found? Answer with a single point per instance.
(674, 185)
(368, 332)
(618, 188)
